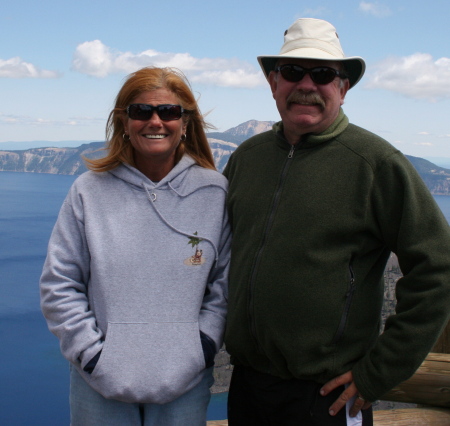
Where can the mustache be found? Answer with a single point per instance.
(305, 98)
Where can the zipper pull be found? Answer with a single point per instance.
(291, 152)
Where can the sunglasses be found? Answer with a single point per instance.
(319, 75)
(144, 112)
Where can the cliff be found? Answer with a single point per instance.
(64, 161)
(436, 178)
(68, 161)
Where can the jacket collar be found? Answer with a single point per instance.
(311, 140)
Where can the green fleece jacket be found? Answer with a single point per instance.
(313, 226)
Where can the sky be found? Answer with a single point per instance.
(63, 62)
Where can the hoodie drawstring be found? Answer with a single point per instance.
(152, 198)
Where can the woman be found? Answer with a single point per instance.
(134, 284)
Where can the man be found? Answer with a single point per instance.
(317, 205)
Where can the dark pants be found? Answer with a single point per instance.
(258, 399)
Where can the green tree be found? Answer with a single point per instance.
(193, 241)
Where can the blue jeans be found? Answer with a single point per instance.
(89, 408)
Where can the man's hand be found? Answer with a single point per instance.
(351, 391)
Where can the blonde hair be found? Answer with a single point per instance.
(146, 80)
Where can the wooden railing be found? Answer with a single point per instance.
(442, 345)
(429, 387)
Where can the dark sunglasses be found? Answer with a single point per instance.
(144, 112)
(319, 75)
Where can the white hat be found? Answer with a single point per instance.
(309, 38)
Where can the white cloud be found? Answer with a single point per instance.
(375, 9)
(23, 120)
(238, 77)
(417, 76)
(17, 68)
(92, 58)
(96, 59)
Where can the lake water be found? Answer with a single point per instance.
(34, 379)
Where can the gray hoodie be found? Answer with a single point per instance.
(136, 269)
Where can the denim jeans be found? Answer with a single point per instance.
(89, 408)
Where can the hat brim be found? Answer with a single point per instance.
(354, 65)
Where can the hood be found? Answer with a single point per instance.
(175, 179)
(136, 178)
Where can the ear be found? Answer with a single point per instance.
(125, 123)
(185, 125)
(344, 89)
(273, 81)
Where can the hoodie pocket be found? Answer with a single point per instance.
(149, 362)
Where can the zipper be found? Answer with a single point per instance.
(260, 251)
(291, 151)
(348, 302)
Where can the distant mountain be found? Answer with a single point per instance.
(224, 143)
(243, 131)
(64, 161)
(68, 160)
(436, 178)
(221, 151)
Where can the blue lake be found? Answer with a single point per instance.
(34, 379)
